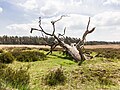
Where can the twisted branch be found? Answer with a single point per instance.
(85, 34)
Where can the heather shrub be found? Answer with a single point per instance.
(106, 52)
(1, 51)
(17, 78)
(2, 67)
(54, 77)
(30, 56)
(6, 57)
(16, 51)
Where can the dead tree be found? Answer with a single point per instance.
(50, 43)
(75, 50)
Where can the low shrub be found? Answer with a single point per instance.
(17, 78)
(1, 51)
(106, 52)
(45, 49)
(17, 51)
(6, 57)
(54, 77)
(2, 67)
(29, 56)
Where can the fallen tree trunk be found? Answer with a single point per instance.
(75, 50)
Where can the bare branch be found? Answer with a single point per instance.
(85, 34)
(34, 29)
(62, 34)
(64, 31)
(42, 35)
(88, 24)
(53, 29)
(39, 20)
(58, 19)
(53, 23)
(52, 48)
(77, 44)
(42, 28)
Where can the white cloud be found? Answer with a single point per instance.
(1, 10)
(49, 9)
(107, 19)
(29, 5)
(106, 33)
(56, 7)
(109, 2)
(22, 29)
(107, 26)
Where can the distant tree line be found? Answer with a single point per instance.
(34, 40)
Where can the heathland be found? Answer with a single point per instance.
(28, 68)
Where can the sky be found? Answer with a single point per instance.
(17, 17)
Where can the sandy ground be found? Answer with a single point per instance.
(43, 46)
(30, 46)
(103, 46)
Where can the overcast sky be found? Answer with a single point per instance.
(18, 16)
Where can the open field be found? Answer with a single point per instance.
(43, 46)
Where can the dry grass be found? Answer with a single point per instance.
(116, 46)
(29, 46)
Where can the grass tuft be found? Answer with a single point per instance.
(55, 76)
